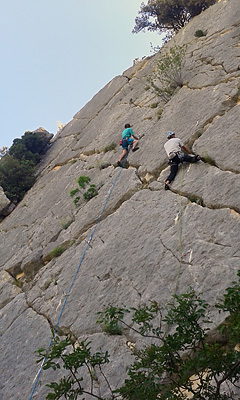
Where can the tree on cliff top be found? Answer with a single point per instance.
(28, 148)
(17, 166)
(168, 15)
(16, 177)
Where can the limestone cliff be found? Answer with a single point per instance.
(134, 255)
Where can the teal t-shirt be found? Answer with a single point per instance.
(127, 133)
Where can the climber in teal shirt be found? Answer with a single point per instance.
(128, 139)
(127, 133)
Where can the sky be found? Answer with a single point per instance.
(57, 54)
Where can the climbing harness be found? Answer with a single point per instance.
(131, 144)
(180, 155)
(75, 276)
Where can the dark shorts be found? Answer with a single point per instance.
(126, 143)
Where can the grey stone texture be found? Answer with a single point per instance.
(4, 201)
(123, 245)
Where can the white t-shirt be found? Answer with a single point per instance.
(173, 146)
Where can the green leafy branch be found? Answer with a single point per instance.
(79, 357)
(90, 192)
(186, 360)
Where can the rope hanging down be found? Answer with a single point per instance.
(178, 218)
(180, 232)
(79, 266)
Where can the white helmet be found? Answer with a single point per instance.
(169, 134)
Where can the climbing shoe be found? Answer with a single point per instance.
(167, 187)
(119, 164)
(136, 148)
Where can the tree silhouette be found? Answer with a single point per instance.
(168, 15)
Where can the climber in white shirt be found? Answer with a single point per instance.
(174, 147)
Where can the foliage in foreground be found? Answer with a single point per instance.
(182, 360)
(168, 15)
(169, 74)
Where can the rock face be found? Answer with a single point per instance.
(134, 252)
(4, 201)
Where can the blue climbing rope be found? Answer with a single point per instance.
(180, 247)
(79, 266)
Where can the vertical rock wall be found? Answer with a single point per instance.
(134, 255)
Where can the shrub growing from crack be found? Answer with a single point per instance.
(91, 192)
(195, 199)
(159, 113)
(83, 180)
(73, 161)
(73, 192)
(154, 105)
(67, 222)
(17, 283)
(102, 164)
(209, 160)
(199, 33)
(76, 200)
(57, 252)
(110, 147)
(169, 75)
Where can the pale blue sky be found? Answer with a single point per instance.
(57, 54)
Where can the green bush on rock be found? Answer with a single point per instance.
(169, 74)
(90, 192)
(17, 166)
(16, 177)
